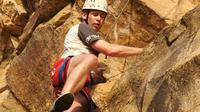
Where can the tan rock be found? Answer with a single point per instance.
(5, 45)
(15, 41)
(166, 77)
(38, 97)
(1, 56)
(10, 26)
(43, 12)
(129, 23)
(3, 83)
(27, 31)
(15, 11)
(171, 11)
(10, 104)
(3, 96)
(33, 65)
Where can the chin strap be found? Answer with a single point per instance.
(105, 58)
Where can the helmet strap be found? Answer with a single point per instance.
(85, 16)
(86, 20)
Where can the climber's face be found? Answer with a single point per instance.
(95, 19)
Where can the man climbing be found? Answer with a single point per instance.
(71, 73)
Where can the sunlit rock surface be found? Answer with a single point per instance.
(131, 81)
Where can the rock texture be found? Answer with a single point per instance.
(29, 74)
(33, 65)
(163, 75)
(166, 77)
(171, 10)
(43, 12)
(8, 101)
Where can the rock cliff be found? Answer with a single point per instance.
(164, 78)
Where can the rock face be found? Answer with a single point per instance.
(29, 74)
(7, 101)
(171, 11)
(161, 76)
(13, 16)
(132, 23)
(166, 77)
(28, 77)
(33, 65)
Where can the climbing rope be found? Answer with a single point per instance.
(116, 18)
(112, 27)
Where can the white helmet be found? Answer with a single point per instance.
(96, 5)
